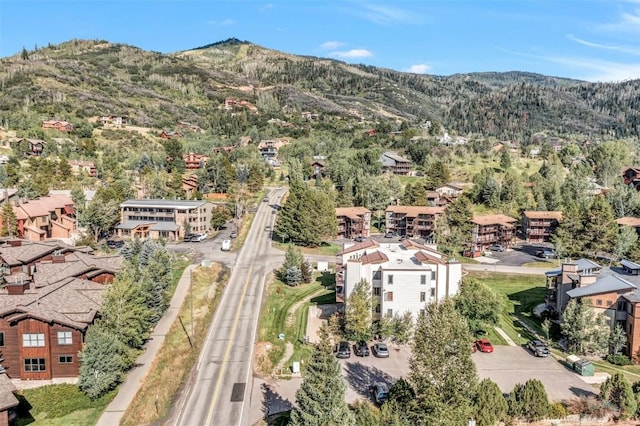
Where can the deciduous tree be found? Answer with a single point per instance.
(357, 321)
(480, 305)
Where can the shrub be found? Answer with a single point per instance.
(618, 359)
(558, 411)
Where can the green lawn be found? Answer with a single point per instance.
(325, 249)
(522, 294)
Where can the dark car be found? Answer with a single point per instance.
(546, 254)
(233, 234)
(484, 345)
(380, 392)
(114, 244)
(538, 348)
(390, 235)
(362, 349)
(380, 350)
(189, 237)
(344, 351)
(359, 239)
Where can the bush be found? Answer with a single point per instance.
(558, 411)
(618, 359)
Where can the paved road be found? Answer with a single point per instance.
(220, 390)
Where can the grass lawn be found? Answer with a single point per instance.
(62, 405)
(546, 264)
(522, 293)
(326, 249)
(285, 311)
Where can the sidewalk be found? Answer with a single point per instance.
(128, 389)
(505, 336)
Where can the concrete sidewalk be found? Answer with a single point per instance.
(128, 389)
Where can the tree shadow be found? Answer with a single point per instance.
(273, 402)
(362, 377)
(23, 411)
(581, 392)
(327, 280)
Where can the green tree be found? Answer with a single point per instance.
(174, 162)
(357, 321)
(255, 179)
(601, 229)
(585, 332)
(453, 231)
(100, 216)
(505, 159)
(220, 215)
(569, 236)
(442, 371)
(437, 174)
(102, 364)
(617, 391)
(490, 406)
(627, 237)
(9, 220)
(617, 339)
(529, 401)
(320, 400)
(480, 305)
(293, 276)
(402, 328)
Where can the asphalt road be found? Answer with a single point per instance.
(220, 389)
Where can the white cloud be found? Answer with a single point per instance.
(628, 22)
(330, 45)
(353, 53)
(418, 69)
(598, 70)
(223, 23)
(623, 49)
(386, 15)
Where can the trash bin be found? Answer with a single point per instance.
(584, 367)
(571, 361)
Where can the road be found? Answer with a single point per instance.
(220, 389)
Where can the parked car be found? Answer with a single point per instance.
(496, 247)
(380, 392)
(188, 237)
(198, 237)
(226, 245)
(265, 200)
(267, 228)
(538, 348)
(114, 244)
(546, 254)
(390, 235)
(344, 350)
(359, 239)
(233, 234)
(380, 350)
(362, 349)
(484, 345)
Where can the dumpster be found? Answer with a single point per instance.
(584, 367)
(571, 361)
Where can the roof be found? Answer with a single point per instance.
(75, 264)
(629, 221)
(428, 258)
(375, 257)
(352, 211)
(29, 251)
(534, 214)
(606, 284)
(133, 224)
(629, 264)
(454, 185)
(633, 296)
(7, 398)
(415, 210)
(360, 246)
(583, 265)
(493, 219)
(396, 157)
(175, 204)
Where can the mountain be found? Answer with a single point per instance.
(83, 78)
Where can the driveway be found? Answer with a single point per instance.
(508, 365)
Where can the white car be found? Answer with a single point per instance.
(226, 245)
(199, 237)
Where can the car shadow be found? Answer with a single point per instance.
(362, 377)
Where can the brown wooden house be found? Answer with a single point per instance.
(537, 226)
(353, 222)
(489, 230)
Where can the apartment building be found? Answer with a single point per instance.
(489, 230)
(403, 276)
(396, 164)
(412, 221)
(538, 226)
(164, 218)
(353, 222)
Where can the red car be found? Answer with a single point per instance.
(484, 345)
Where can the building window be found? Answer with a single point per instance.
(423, 296)
(378, 308)
(33, 340)
(65, 359)
(622, 306)
(1, 339)
(423, 279)
(433, 275)
(377, 275)
(433, 292)
(388, 296)
(34, 364)
(599, 302)
(390, 313)
(422, 312)
(64, 338)
(389, 279)
(376, 291)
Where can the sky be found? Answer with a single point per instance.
(592, 40)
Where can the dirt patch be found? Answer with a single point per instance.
(261, 360)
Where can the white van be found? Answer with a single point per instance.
(226, 245)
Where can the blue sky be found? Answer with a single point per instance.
(594, 40)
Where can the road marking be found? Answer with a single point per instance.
(227, 352)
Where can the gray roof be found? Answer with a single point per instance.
(583, 265)
(29, 251)
(165, 226)
(75, 265)
(629, 264)
(605, 284)
(398, 158)
(155, 226)
(633, 297)
(173, 204)
(7, 398)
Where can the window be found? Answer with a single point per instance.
(390, 313)
(433, 292)
(64, 338)
(34, 364)
(599, 302)
(389, 279)
(622, 306)
(378, 308)
(422, 312)
(388, 296)
(423, 296)
(423, 279)
(65, 359)
(1, 339)
(33, 340)
(433, 275)
(377, 275)
(376, 291)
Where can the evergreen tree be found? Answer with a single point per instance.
(320, 399)
(600, 228)
(357, 321)
(293, 276)
(617, 391)
(569, 237)
(442, 371)
(505, 159)
(529, 401)
(307, 271)
(617, 339)
(490, 406)
(627, 237)
(101, 362)
(454, 229)
(9, 220)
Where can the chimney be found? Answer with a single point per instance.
(58, 258)
(15, 243)
(18, 286)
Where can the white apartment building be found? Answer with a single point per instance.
(404, 276)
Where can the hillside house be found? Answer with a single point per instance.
(396, 164)
(114, 120)
(538, 226)
(59, 125)
(489, 230)
(189, 126)
(194, 161)
(28, 147)
(88, 168)
(231, 104)
(412, 221)
(353, 222)
(170, 134)
(51, 216)
(633, 222)
(631, 176)
(404, 277)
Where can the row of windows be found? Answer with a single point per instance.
(39, 364)
(36, 340)
(423, 278)
(388, 296)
